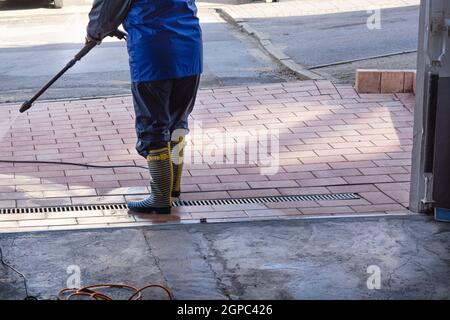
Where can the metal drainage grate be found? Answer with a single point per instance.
(181, 203)
(63, 209)
(312, 197)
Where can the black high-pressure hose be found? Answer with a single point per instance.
(7, 265)
(84, 51)
(72, 164)
(28, 104)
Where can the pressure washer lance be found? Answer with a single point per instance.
(87, 47)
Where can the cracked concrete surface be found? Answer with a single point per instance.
(284, 259)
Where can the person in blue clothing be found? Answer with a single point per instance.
(165, 55)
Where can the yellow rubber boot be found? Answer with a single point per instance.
(177, 159)
(161, 172)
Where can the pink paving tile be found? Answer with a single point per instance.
(352, 188)
(223, 186)
(392, 162)
(224, 214)
(332, 140)
(400, 196)
(377, 197)
(205, 195)
(7, 203)
(321, 182)
(303, 191)
(352, 164)
(43, 202)
(382, 170)
(393, 186)
(401, 177)
(378, 208)
(292, 204)
(97, 185)
(326, 210)
(97, 200)
(290, 176)
(273, 184)
(336, 173)
(266, 213)
(253, 193)
(368, 179)
(341, 203)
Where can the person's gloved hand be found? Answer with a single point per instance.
(119, 34)
(89, 39)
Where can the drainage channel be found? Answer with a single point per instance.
(182, 203)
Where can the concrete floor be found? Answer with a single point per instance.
(296, 259)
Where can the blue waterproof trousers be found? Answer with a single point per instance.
(161, 107)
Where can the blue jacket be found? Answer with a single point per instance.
(164, 36)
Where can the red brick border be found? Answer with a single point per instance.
(385, 81)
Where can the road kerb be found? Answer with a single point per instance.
(300, 71)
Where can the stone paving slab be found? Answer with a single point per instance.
(330, 140)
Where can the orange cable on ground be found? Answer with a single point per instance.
(90, 291)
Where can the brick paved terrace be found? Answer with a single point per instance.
(331, 140)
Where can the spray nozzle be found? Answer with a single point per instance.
(25, 106)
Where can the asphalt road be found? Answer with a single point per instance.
(37, 42)
(330, 38)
